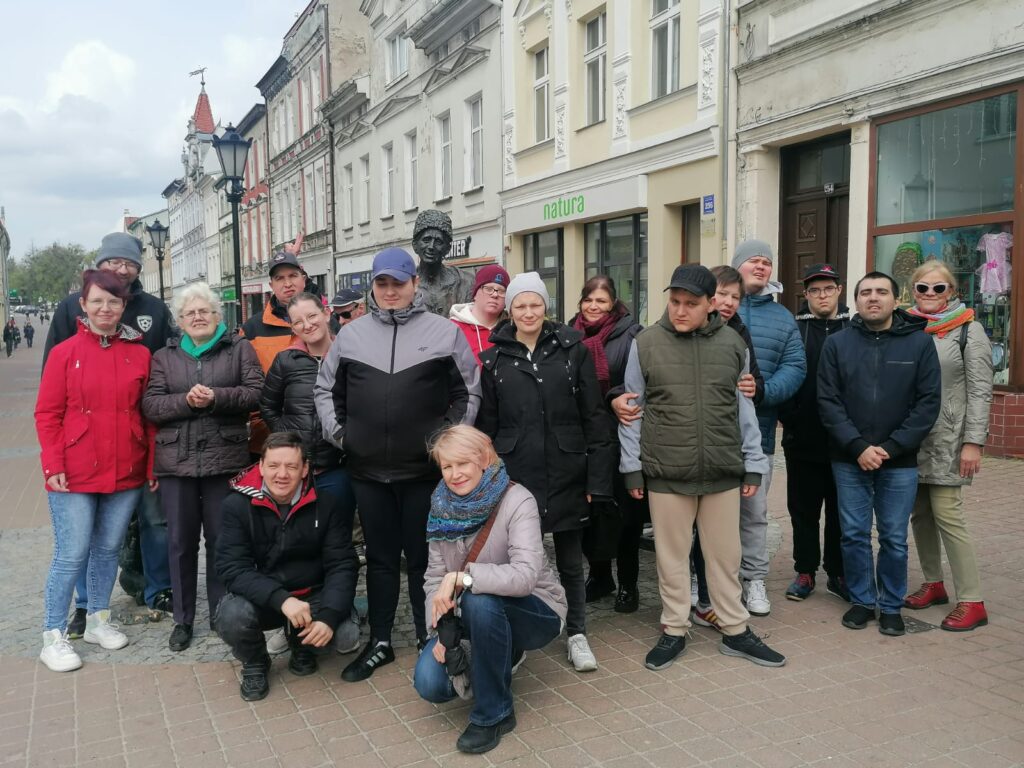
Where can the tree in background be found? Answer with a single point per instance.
(49, 273)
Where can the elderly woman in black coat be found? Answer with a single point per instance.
(543, 408)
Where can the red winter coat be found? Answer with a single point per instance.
(88, 413)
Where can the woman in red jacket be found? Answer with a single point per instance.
(95, 456)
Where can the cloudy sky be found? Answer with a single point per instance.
(94, 103)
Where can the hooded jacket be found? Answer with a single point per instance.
(391, 380)
(267, 556)
(780, 356)
(477, 334)
(880, 388)
(287, 403)
(803, 435)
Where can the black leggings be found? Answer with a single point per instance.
(627, 559)
(569, 562)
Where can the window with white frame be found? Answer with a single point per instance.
(444, 157)
(411, 174)
(309, 200)
(296, 207)
(306, 100)
(289, 121)
(387, 187)
(398, 56)
(471, 30)
(348, 213)
(315, 88)
(664, 47)
(594, 62)
(364, 189)
(320, 196)
(541, 95)
(475, 145)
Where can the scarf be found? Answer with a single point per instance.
(190, 348)
(594, 337)
(955, 315)
(453, 517)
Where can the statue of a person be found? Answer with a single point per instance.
(442, 285)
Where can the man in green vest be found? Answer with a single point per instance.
(696, 449)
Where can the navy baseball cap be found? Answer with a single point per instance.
(284, 259)
(346, 296)
(396, 263)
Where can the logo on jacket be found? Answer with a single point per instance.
(145, 322)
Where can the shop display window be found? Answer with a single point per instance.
(618, 248)
(542, 252)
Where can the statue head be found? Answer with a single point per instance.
(432, 237)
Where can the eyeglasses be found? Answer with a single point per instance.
(307, 320)
(937, 288)
(492, 290)
(825, 290)
(103, 304)
(192, 314)
(116, 264)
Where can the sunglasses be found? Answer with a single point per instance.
(938, 288)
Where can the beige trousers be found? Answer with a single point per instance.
(718, 521)
(939, 513)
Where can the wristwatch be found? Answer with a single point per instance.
(467, 581)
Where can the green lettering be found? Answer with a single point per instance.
(579, 200)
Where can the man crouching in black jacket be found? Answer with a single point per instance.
(285, 558)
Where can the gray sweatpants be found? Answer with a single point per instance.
(754, 530)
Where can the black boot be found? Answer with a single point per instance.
(477, 739)
(628, 599)
(302, 661)
(255, 685)
(599, 584)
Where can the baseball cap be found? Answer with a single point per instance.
(284, 259)
(694, 278)
(396, 263)
(346, 296)
(820, 270)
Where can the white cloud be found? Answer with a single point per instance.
(95, 71)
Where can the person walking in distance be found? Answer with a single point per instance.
(879, 394)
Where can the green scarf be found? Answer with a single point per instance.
(190, 347)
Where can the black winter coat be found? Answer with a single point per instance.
(266, 556)
(287, 403)
(213, 440)
(737, 325)
(548, 421)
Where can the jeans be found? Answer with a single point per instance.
(809, 485)
(153, 537)
(241, 624)
(569, 562)
(888, 493)
(88, 529)
(496, 626)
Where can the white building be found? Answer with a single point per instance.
(150, 275)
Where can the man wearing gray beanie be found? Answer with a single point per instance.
(780, 355)
(121, 254)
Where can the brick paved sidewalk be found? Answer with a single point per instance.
(844, 699)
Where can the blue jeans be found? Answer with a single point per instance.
(496, 626)
(153, 542)
(889, 493)
(88, 529)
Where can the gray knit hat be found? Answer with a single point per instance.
(526, 282)
(748, 249)
(120, 245)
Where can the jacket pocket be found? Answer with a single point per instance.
(505, 443)
(74, 433)
(234, 434)
(571, 441)
(167, 436)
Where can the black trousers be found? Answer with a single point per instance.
(241, 625)
(627, 557)
(394, 519)
(569, 562)
(809, 485)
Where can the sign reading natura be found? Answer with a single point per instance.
(563, 206)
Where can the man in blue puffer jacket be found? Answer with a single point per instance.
(780, 355)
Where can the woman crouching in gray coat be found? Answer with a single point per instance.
(509, 599)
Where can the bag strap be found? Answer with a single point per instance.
(481, 538)
(963, 340)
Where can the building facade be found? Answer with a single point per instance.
(150, 275)
(5, 286)
(611, 137)
(891, 130)
(254, 213)
(421, 130)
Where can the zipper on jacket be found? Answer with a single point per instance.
(700, 410)
(387, 393)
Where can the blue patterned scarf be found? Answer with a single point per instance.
(453, 517)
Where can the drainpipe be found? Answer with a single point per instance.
(725, 155)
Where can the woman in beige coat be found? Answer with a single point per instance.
(951, 455)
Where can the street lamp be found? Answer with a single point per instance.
(158, 237)
(232, 151)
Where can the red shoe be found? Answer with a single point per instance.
(965, 617)
(930, 593)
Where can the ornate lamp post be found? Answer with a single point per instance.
(158, 237)
(232, 152)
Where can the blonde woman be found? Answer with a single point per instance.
(951, 454)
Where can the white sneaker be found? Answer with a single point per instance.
(756, 597)
(57, 653)
(518, 662)
(580, 655)
(276, 642)
(100, 631)
(346, 636)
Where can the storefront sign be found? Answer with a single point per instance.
(594, 202)
(252, 290)
(460, 248)
(564, 206)
(228, 294)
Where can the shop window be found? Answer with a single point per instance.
(618, 248)
(357, 281)
(542, 253)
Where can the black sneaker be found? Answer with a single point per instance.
(665, 652)
(836, 585)
(255, 685)
(181, 637)
(477, 739)
(858, 617)
(598, 587)
(302, 661)
(163, 601)
(372, 656)
(628, 600)
(76, 627)
(891, 624)
(750, 646)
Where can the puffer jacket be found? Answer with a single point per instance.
(287, 403)
(477, 335)
(511, 563)
(548, 421)
(780, 356)
(966, 400)
(211, 441)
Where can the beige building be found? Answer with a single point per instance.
(611, 136)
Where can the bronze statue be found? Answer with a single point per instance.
(442, 285)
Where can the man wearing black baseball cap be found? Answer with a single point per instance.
(809, 481)
(346, 306)
(697, 448)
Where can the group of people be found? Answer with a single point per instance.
(463, 425)
(13, 335)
